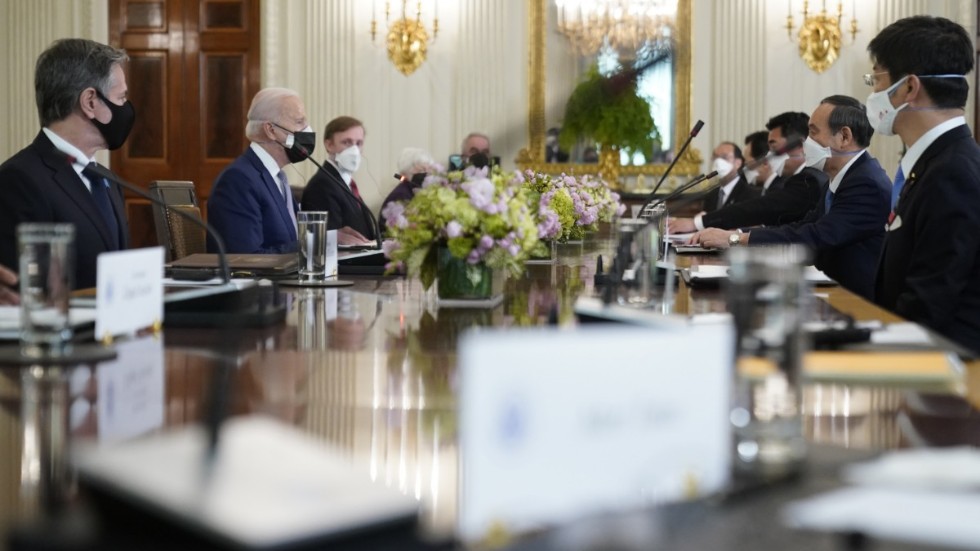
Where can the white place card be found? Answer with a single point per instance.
(331, 263)
(556, 425)
(131, 390)
(129, 291)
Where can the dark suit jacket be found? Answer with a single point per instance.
(798, 196)
(778, 183)
(846, 242)
(327, 191)
(741, 192)
(38, 184)
(248, 210)
(930, 266)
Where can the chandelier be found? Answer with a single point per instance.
(407, 40)
(624, 25)
(820, 34)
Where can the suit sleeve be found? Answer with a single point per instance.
(20, 201)
(945, 247)
(781, 206)
(234, 212)
(858, 213)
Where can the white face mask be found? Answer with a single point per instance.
(815, 154)
(881, 114)
(751, 175)
(722, 167)
(777, 162)
(349, 160)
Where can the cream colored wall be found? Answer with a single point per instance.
(746, 69)
(475, 78)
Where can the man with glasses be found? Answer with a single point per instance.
(930, 264)
(251, 204)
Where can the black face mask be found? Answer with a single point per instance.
(418, 179)
(302, 147)
(117, 129)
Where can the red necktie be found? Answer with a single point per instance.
(353, 187)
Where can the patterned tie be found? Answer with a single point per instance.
(353, 187)
(897, 187)
(100, 194)
(287, 194)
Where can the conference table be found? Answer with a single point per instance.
(372, 370)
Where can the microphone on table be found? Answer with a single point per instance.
(223, 271)
(677, 192)
(694, 132)
(374, 221)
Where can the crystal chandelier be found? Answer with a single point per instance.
(623, 25)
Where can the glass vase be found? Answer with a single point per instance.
(457, 279)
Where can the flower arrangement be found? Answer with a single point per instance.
(568, 207)
(481, 217)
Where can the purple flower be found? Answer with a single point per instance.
(513, 249)
(454, 229)
(481, 193)
(394, 214)
(486, 242)
(388, 247)
(473, 257)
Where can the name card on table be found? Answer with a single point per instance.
(330, 268)
(129, 291)
(556, 424)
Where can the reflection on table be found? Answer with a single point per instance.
(372, 370)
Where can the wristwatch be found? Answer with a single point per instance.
(735, 239)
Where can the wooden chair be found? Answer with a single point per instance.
(177, 235)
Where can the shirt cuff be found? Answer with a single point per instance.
(697, 221)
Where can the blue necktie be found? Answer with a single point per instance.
(100, 194)
(897, 186)
(828, 199)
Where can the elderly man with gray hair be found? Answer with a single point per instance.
(251, 204)
(413, 165)
(81, 94)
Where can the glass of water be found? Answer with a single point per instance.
(312, 233)
(47, 276)
(768, 298)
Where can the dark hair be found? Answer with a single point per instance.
(737, 151)
(924, 45)
(791, 124)
(757, 144)
(851, 113)
(340, 124)
(68, 67)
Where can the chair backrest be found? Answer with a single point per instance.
(177, 235)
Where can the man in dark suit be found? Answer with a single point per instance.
(334, 190)
(80, 88)
(930, 265)
(757, 155)
(727, 161)
(801, 191)
(846, 229)
(251, 204)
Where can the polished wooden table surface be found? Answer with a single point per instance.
(372, 369)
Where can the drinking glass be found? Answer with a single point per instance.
(47, 271)
(312, 232)
(768, 298)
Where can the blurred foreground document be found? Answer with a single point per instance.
(556, 425)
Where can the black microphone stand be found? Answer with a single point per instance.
(680, 153)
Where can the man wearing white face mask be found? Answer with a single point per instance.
(251, 204)
(930, 265)
(845, 230)
(727, 161)
(334, 189)
(757, 154)
(799, 194)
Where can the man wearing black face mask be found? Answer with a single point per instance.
(80, 88)
(251, 204)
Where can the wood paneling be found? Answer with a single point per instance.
(194, 67)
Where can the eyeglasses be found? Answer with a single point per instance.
(869, 78)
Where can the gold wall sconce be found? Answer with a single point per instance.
(820, 34)
(407, 40)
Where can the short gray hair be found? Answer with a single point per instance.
(462, 146)
(412, 157)
(68, 67)
(266, 107)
